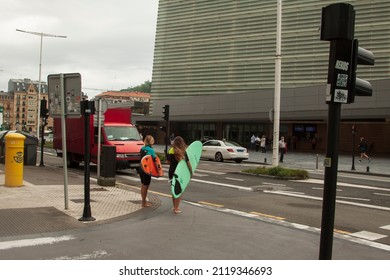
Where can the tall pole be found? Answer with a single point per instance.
(40, 67)
(353, 147)
(39, 89)
(278, 66)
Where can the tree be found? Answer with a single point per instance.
(145, 87)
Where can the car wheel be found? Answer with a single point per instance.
(238, 160)
(218, 157)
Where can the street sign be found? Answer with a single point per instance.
(72, 94)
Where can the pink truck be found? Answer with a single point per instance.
(117, 131)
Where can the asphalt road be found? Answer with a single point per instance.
(362, 207)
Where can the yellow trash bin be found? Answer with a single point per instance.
(14, 148)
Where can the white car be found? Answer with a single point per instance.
(220, 150)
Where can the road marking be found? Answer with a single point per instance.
(382, 194)
(5, 245)
(340, 234)
(320, 198)
(372, 236)
(211, 172)
(268, 216)
(385, 227)
(342, 231)
(354, 198)
(93, 255)
(223, 185)
(317, 181)
(273, 184)
(234, 179)
(210, 204)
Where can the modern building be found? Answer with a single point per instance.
(214, 64)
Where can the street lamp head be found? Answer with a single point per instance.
(41, 34)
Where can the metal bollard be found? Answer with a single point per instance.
(317, 162)
(14, 149)
(265, 160)
(367, 169)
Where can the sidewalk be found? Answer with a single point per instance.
(39, 205)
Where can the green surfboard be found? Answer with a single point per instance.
(182, 175)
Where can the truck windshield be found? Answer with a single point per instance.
(122, 133)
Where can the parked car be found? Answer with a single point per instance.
(224, 150)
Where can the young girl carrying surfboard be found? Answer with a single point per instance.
(175, 154)
(146, 178)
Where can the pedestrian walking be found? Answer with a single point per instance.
(175, 154)
(147, 149)
(263, 144)
(282, 148)
(363, 149)
(253, 139)
(257, 143)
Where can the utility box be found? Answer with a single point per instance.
(107, 166)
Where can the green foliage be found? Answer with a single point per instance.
(279, 172)
(145, 87)
(47, 144)
(162, 157)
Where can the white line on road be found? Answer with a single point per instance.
(372, 236)
(93, 255)
(34, 242)
(351, 238)
(317, 181)
(320, 198)
(234, 179)
(223, 185)
(382, 194)
(354, 198)
(210, 172)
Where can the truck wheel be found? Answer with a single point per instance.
(71, 163)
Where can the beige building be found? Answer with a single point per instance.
(20, 106)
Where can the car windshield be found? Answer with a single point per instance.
(122, 133)
(231, 143)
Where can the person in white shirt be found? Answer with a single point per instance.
(263, 143)
(282, 148)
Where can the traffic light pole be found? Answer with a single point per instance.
(353, 147)
(330, 182)
(338, 27)
(87, 108)
(42, 140)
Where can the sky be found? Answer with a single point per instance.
(110, 43)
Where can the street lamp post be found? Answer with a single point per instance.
(40, 67)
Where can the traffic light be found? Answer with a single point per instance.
(44, 112)
(166, 112)
(359, 87)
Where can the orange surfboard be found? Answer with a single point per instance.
(153, 168)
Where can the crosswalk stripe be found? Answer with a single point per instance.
(372, 236)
